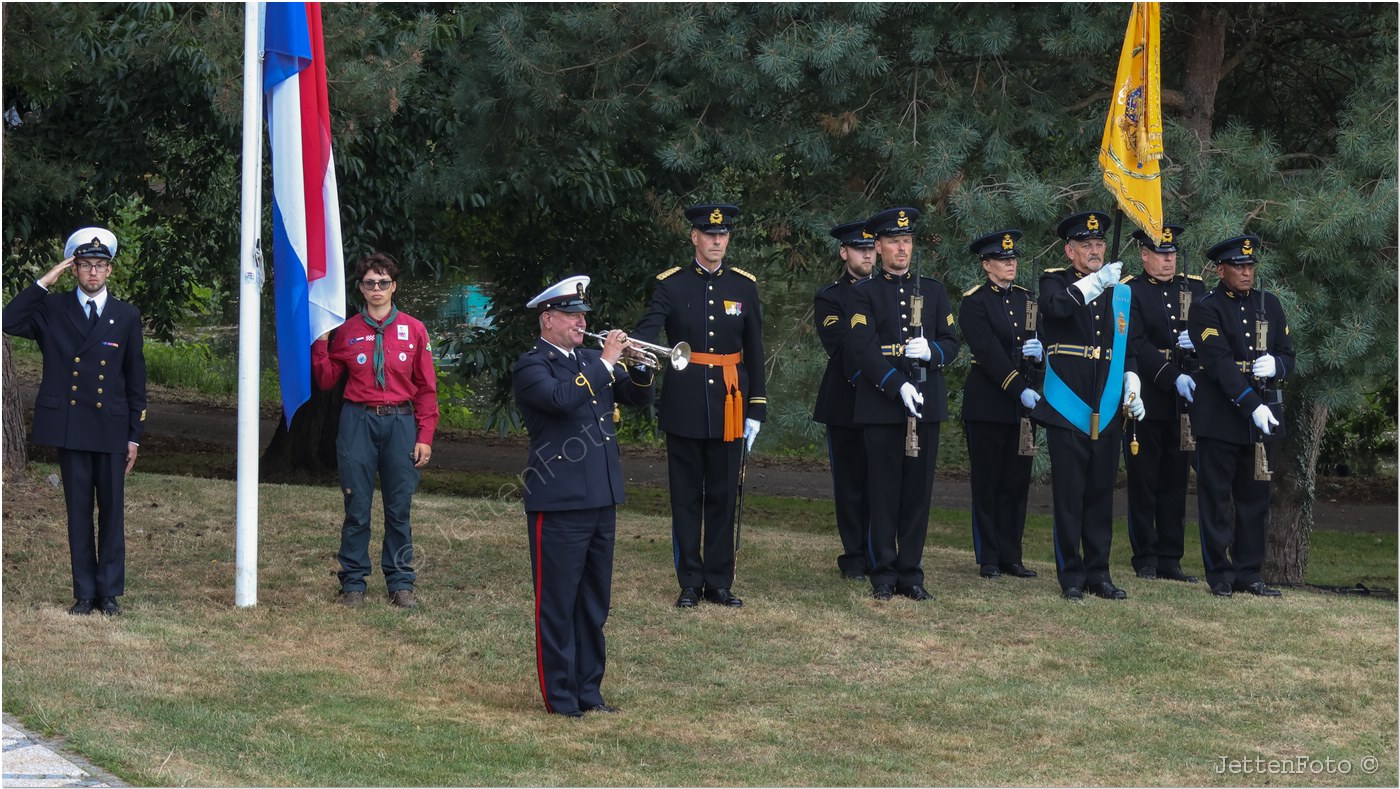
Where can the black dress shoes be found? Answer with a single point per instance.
(1147, 573)
(723, 597)
(108, 606)
(602, 708)
(1073, 593)
(690, 597)
(1221, 589)
(882, 592)
(1107, 591)
(82, 606)
(1020, 571)
(916, 592)
(1175, 574)
(989, 571)
(1258, 589)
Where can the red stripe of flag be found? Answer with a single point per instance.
(315, 145)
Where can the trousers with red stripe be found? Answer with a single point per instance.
(571, 555)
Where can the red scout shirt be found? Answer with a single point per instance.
(408, 368)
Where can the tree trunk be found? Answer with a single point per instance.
(1291, 507)
(16, 436)
(1205, 61)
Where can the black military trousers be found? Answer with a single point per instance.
(845, 448)
(1001, 480)
(901, 492)
(704, 479)
(1156, 494)
(1082, 474)
(571, 559)
(1232, 550)
(99, 563)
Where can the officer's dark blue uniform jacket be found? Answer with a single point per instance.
(1156, 323)
(831, 311)
(573, 442)
(874, 349)
(93, 395)
(1064, 320)
(1222, 328)
(993, 321)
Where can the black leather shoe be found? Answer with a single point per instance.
(1258, 589)
(1107, 591)
(1020, 571)
(1147, 573)
(1221, 589)
(602, 708)
(108, 606)
(989, 571)
(570, 714)
(1073, 593)
(882, 592)
(690, 597)
(723, 597)
(82, 606)
(1176, 574)
(853, 576)
(916, 592)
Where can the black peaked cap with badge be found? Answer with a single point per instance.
(1237, 250)
(1083, 226)
(1170, 234)
(713, 218)
(892, 222)
(1000, 245)
(852, 234)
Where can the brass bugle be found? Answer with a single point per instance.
(648, 353)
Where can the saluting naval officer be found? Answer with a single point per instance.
(996, 395)
(888, 357)
(567, 396)
(1237, 406)
(1165, 359)
(91, 406)
(1089, 372)
(712, 410)
(835, 407)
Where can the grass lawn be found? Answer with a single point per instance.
(812, 683)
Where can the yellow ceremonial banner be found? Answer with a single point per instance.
(1132, 137)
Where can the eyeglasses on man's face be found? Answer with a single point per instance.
(376, 284)
(100, 266)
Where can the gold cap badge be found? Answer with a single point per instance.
(716, 217)
(1093, 222)
(903, 220)
(1247, 247)
(1007, 242)
(1166, 235)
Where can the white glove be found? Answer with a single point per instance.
(1132, 396)
(1183, 341)
(1094, 284)
(1032, 349)
(1029, 398)
(917, 348)
(1264, 419)
(751, 428)
(1186, 387)
(1264, 367)
(912, 398)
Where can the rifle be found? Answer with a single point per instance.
(1033, 372)
(1270, 395)
(920, 375)
(1185, 361)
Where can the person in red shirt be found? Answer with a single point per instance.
(386, 427)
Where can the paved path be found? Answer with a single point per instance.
(31, 761)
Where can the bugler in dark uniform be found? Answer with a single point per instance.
(1089, 371)
(1237, 407)
(996, 395)
(91, 406)
(885, 353)
(567, 395)
(712, 409)
(835, 408)
(1162, 298)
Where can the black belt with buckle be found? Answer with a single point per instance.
(384, 410)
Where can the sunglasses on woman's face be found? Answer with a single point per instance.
(376, 284)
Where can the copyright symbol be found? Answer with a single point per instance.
(1369, 764)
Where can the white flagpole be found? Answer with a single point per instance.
(249, 312)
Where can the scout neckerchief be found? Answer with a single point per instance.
(379, 341)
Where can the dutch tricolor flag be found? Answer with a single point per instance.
(308, 262)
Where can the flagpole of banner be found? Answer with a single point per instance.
(250, 282)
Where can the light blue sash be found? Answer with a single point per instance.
(1065, 401)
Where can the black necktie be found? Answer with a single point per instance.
(92, 315)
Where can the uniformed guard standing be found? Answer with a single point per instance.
(91, 406)
(1241, 338)
(835, 408)
(711, 411)
(896, 355)
(996, 396)
(1162, 299)
(1089, 371)
(573, 484)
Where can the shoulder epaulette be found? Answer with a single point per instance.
(973, 289)
(829, 286)
(743, 273)
(1020, 287)
(1207, 295)
(668, 272)
(1196, 277)
(1053, 270)
(1129, 278)
(860, 283)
